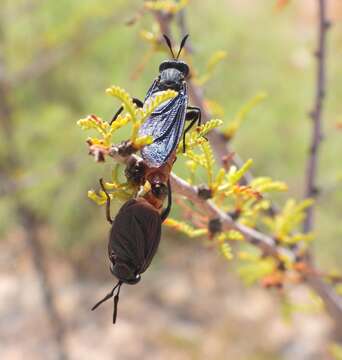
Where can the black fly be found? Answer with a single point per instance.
(166, 123)
(133, 241)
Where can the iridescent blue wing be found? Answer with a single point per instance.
(165, 125)
(151, 90)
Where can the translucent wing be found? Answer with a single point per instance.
(151, 90)
(165, 125)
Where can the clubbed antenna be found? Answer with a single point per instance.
(182, 45)
(168, 41)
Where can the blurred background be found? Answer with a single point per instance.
(56, 60)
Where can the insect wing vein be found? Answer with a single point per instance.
(166, 129)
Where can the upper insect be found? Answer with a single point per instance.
(166, 123)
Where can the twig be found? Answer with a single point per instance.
(311, 188)
(262, 241)
(332, 301)
(163, 20)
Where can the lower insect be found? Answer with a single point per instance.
(133, 241)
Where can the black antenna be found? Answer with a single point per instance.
(108, 296)
(116, 301)
(168, 41)
(182, 45)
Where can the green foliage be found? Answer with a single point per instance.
(235, 175)
(289, 308)
(246, 200)
(288, 220)
(197, 136)
(338, 289)
(266, 184)
(226, 251)
(115, 189)
(234, 125)
(252, 268)
(169, 6)
(131, 113)
(185, 228)
(212, 63)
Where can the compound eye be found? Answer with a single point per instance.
(159, 190)
(135, 280)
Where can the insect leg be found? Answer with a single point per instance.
(166, 211)
(193, 114)
(136, 101)
(109, 219)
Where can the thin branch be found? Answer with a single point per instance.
(164, 20)
(264, 242)
(332, 301)
(311, 188)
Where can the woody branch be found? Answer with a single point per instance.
(311, 188)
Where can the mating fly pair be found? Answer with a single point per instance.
(136, 230)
